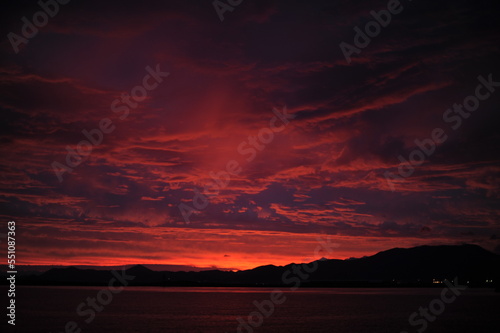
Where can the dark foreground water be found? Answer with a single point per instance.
(143, 309)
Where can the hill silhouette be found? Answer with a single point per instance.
(418, 266)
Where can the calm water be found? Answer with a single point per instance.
(145, 309)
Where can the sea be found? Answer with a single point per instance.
(248, 310)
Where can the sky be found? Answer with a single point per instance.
(305, 123)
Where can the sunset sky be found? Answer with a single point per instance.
(321, 174)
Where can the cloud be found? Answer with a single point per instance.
(323, 174)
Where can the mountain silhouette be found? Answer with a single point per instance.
(418, 266)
